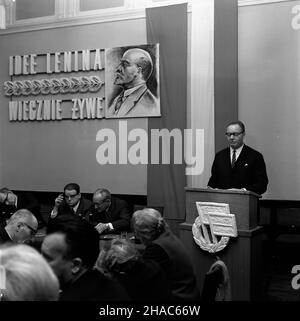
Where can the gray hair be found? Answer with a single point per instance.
(28, 276)
(104, 193)
(148, 224)
(21, 215)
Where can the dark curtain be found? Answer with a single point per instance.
(168, 27)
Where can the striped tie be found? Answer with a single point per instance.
(233, 158)
(119, 102)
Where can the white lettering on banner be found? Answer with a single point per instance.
(67, 61)
(22, 65)
(86, 108)
(35, 110)
(48, 66)
(57, 62)
(98, 61)
(25, 64)
(85, 60)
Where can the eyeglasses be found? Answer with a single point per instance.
(233, 134)
(32, 230)
(70, 196)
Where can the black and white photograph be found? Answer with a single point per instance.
(149, 159)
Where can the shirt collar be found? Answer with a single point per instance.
(129, 91)
(238, 150)
(76, 207)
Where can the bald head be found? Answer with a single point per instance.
(22, 226)
(135, 68)
(101, 199)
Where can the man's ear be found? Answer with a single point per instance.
(76, 265)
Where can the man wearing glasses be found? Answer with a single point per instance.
(71, 202)
(238, 166)
(21, 227)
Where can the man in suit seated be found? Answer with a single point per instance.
(71, 248)
(109, 214)
(135, 99)
(71, 202)
(238, 166)
(11, 201)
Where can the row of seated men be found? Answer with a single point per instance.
(106, 213)
(75, 269)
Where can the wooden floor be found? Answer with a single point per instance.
(279, 258)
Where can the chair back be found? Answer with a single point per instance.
(216, 285)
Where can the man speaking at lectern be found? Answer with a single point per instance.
(238, 166)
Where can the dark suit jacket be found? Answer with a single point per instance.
(94, 286)
(25, 200)
(248, 172)
(118, 214)
(83, 207)
(170, 253)
(146, 281)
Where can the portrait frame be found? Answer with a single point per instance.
(146, 103)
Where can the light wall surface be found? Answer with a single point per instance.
(269, 95)
(44, 156)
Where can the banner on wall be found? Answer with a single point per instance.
(117, 82)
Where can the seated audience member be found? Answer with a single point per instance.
(109, 214)
(20, 227)
(71, 202)
(28, 277)
(143, 280)
(166, 249)
(71, 247)
(11, 201)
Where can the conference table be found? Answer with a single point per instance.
(105, 240)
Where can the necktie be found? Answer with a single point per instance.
(233, 158)
(119, 102)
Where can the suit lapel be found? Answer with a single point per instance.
(132, 100)
(227, 158)
(80, 208)
(242, 157)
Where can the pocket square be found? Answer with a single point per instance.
(246, 164)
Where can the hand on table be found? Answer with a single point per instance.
(101, 227)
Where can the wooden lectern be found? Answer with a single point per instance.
(242, 255)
